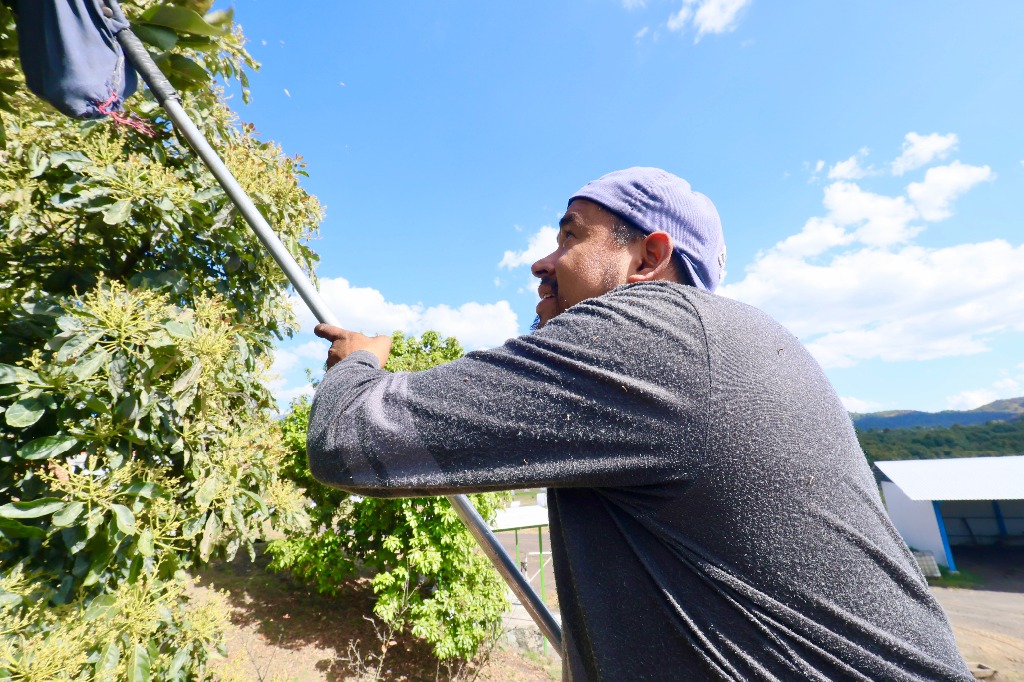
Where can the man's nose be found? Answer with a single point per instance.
(544, 267)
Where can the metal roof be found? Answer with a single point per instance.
(963, 478)
(526, 516)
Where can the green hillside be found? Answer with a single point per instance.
(979, 440)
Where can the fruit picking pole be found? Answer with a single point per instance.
(169, 99)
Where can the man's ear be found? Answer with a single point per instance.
(653, 258)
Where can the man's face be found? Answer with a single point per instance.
(587, 262)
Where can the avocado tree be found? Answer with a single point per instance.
(137, 316)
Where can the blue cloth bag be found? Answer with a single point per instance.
(71, 57)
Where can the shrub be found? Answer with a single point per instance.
(428, 576)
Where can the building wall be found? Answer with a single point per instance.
(915, 521)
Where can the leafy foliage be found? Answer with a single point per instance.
(145, 630)
(426, 573)
(137, 312)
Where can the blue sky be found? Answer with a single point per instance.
(866, 158)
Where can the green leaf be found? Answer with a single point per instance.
(138, 664)
(32, 509)
(179, 330)
(90, 364)
(211, 534)
(73, 160)
(188, 378)
(69, 323)
(25, 412)
(186, 70)
(207, 492)
(127, 409)
(125, 519)
(77, 345)
(118, 374)
(118, 212)
(258, 500)
(180, 19)
(156, 279)
(12, 374)
(145, 543)
(47, 446)
(144, 489)
(66, 516)
(99, 607)
(178, 663)
(14, 529)
(107, 665)
(157, 36)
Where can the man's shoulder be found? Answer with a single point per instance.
(672, 295)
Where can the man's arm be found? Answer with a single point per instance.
(611, 393)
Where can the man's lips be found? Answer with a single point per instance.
(547, 296)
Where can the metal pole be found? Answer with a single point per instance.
(540, 553)
(169, 99)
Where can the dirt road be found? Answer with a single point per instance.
(988, 621)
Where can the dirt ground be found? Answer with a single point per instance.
(988, 620)
(282, 631)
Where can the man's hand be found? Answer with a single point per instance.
(344, 343)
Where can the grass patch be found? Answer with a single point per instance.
(964, 579)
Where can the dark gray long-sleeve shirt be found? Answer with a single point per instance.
(712, 515)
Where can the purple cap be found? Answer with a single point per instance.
(655, 200)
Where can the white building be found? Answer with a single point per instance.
(937, 504)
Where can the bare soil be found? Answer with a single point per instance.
(988, 620)
(283, 631)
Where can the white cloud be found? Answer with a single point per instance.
(857, 405)
(717, 16)
(854, 285)
(919, 150)
(851, 168)
(677, 21)
(542, 242)
(819, 235)
(968, 400)
(476, 325)
(286, 359)
(943, 184)
(1005, 387)
(641, 33)
(912, 303)
(881, 220)
(283, 395)
(634, 4)
(1009, 386)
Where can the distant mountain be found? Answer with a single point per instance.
(1000, 410)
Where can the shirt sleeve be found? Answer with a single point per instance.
(613, 392)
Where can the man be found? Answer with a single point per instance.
(711, 513)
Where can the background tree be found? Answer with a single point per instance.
(137, 314)
(429, 577)
(993, 439)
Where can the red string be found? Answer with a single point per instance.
(130, 120)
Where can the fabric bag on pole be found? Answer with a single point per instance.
(71, 57)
